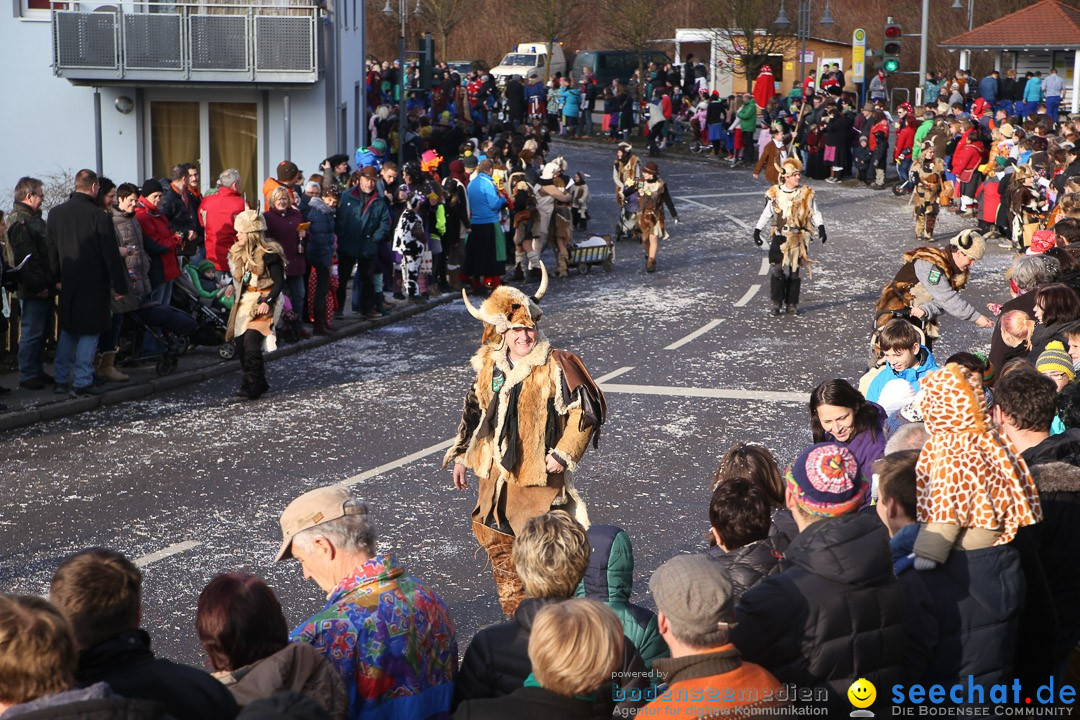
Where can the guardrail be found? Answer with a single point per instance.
(188, 42)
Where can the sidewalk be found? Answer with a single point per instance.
(27, 407)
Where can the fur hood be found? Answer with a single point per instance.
(1056, 477)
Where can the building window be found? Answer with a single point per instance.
(38, 9)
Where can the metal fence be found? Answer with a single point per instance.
(215, 42)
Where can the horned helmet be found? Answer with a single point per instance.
(790, 166)
(508, 308)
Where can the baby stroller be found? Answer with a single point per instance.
(627, 225)
(155, 333)
(211, 317)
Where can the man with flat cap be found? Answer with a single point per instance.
(387, 633)
(695, 612)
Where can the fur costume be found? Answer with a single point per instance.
(792, 214)
(243, 311)
(905, 290)
(929, 176)
(651, 199)
(514, 415)
(969, 476)
(624, 174)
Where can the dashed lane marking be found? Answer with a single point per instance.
(695, 202)
(737, 221)
(764, 269)
(748, 296)
(696, 334)
(400, 462)
(716, 393)
(176, 549)
(614, 374)
(757, 193)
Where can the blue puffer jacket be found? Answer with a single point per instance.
(320, 239)
(361, 224)
(571, 102)
(485, 202)
(609, 578)
(913, 375)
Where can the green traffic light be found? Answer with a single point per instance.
(891, 65)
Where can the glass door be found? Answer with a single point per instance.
(174, 135)
(234, 143)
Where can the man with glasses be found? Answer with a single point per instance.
(792, 212)
(37, 282)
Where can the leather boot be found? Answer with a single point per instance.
(499, 547)
(560, 265)
(650, 265)
(322, 327)
(793, 287)
(108, 370)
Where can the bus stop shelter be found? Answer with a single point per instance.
(1036, 38)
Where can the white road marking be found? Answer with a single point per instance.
(614, 374)
(759, 193)
(176, 549)
(695, 202)
(737, 221)
(400, 462)
(719, 393)
(696, 334)
(764, 269)
(748, 296)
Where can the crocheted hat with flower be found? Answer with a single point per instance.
(825, 480)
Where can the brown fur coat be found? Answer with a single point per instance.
(905, 291)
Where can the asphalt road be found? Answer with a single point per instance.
(192, 482)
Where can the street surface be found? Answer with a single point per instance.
(192, 482)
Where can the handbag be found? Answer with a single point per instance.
(830, 153)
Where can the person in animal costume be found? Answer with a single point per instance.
(553, 199)
(792, 212)
(624, 171)
(526, 224)
(528, 419)
(257, 266)
(929, 284)
(653, 196)
(928, 176)
(972, 487)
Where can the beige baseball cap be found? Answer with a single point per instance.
(310, 509)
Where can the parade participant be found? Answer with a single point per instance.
(928, 177)
(553, 200)
(652, 196)
(792, 211)
(526, 224)
(527, 420)
(625, 170)
(929, 283)
(257, 266)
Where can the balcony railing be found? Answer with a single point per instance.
(188, 42)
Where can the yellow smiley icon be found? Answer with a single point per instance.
(862, 693)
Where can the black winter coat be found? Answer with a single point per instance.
(838, 614)
(91, 270)
(964, 615)
(96, 703)
(497, 662)
(749, 565)
(515, 100)
(180, 210)
(528, 703)
(1055, 464)
(126, 663)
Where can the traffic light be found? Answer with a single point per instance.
(890, 51)
(427, 60)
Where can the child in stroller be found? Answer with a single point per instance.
(209, 288)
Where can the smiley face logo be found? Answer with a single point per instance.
(862, 693)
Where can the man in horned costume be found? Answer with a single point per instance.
(528, 419)
(792, 212)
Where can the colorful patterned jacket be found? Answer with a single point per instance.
(391, 638)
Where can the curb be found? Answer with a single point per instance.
(66, 408)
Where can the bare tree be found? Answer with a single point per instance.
(632, 24)
(747, 36)
(552, 19)
(443, 16)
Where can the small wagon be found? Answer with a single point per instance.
(596, 250)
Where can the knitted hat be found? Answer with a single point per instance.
(286, 170)
(1055, 359)
(825, 480)
(694, 592)
(470, 162)
(150, 187)
(970, 243)
(378, 146)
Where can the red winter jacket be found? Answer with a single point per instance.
(905, 140)
(967, 158)
(159, 240)
(989, 197)
(882, 126)
(217, 213)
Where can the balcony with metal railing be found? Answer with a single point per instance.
(164, 42)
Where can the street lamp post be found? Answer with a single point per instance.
(802, 27)
(971, 11)
(403, 123)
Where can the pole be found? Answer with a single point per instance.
(403, 123)
(287, 122)
(924, 41)
(98, 154)
(971, 14)
(362, 108)
(804, 13)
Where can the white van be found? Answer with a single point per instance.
(530, 58)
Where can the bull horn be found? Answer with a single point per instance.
(542, 290)
(469, 306)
